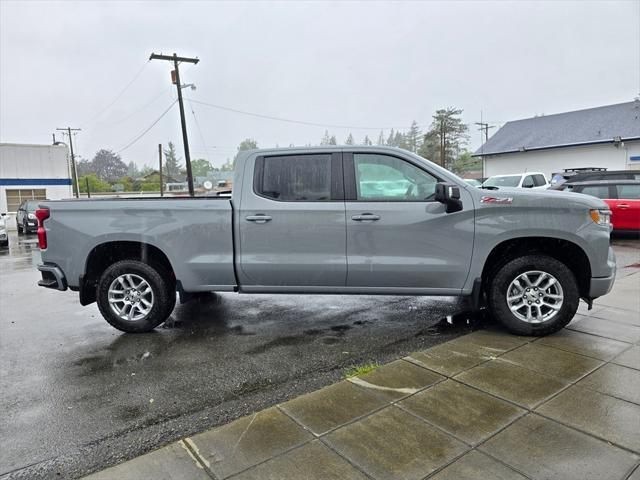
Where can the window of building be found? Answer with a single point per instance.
(296, 178)
(16, 196)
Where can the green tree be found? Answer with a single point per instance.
(227, 167)
(108, 166)
(201, 167)
(132, 170)
(446, 137)
(413, 137)
(366, 140)
(171, 162)
(381, 138)
(246, 144)
(349, 140)
(466, 163)
(333, 140)
(95, 184)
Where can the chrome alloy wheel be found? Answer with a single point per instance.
(130, 297)
(535, 296)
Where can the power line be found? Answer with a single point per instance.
(135, 77)
(288, 120)
(143, 133)
(156, 97)
(197, 124)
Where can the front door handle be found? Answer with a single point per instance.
(366, 217)
(623, 205)
(260, 218)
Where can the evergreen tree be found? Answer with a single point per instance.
(349, 140)
(326, 140)
(172, 163)
(391, 139)
(445, 138)
(332, 140)
(381, 138)
(399, 140)
(413, 137)
(367, 141)
(132, 170)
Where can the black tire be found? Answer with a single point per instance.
(19, 228)
(164, 295)
(506, 273)
(25, 227)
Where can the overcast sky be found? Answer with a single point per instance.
(361, 64)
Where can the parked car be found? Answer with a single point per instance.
(4, 237)
(589, 175)
(622, 196)
(534, 180)
(26, 221)
(339, 220)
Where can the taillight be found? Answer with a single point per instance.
(42, 214)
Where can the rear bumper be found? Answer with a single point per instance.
(52, 277)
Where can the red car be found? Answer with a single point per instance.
(622, 196)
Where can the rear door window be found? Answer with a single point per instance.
(600, 191)
(527, 182)
(629, 192)
(295, 178)
(539, 180)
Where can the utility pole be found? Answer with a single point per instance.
(74, 167)
(176, 60)
(484, 127)
(160, 162)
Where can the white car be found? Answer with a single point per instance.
(534, 180)
(4, 238)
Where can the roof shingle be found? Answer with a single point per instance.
(600, 124)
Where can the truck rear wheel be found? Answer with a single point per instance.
(134, 297)
(533, 295)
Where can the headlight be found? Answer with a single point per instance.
(31, 216)
(601, 216)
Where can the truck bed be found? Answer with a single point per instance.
(195, 234)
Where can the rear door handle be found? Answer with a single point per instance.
(258, 218)
(366, 217)
(623, 205)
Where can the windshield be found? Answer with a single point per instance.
(503, 181)
(31, 207)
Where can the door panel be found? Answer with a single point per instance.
(400, 239)
(292, 222)
(626, 208)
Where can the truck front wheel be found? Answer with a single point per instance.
(135, 297)
(533, 295)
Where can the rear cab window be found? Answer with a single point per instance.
(539, 180)
(295, 178)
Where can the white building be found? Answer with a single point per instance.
(32, 172)
(606, 137)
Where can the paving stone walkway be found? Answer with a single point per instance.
(488, 405)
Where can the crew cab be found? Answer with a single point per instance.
(334, 220)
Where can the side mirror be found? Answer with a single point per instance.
(449, 195)
(3, 214)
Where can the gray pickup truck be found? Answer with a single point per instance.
(341, 220)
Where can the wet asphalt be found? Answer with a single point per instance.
(77, 395)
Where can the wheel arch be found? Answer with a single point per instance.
(105, 254)
(565, 251)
